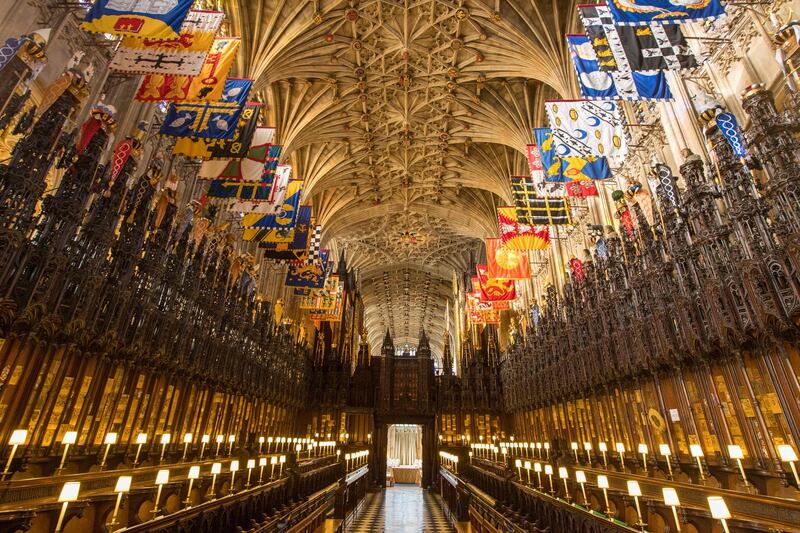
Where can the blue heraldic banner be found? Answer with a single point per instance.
(145, 19)
(599, 84)
(209, 120)
(642, 12)
(240, 190)
(287, 216)
(297, 250)
(566, 169)
(9, 50)
(308, 276)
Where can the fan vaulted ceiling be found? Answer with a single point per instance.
(405, 118)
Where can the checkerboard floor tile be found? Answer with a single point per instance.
(401, 509)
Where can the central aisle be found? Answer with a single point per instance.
(401, 509)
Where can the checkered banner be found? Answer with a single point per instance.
(653, 47)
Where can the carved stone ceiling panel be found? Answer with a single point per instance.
(405, 118)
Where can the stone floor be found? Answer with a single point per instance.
(401, 509)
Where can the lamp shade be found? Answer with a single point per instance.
(537, 467)
(123, 484)
(231, 438)
(602, 481)
(234, 465)
(670, 497)
(111, 438)
(602, 446)
(70, 437)
(69, 492)
(262, 461)
(580, 476)
(251, 463)
(261, 440)
(548, 470)
(162, 477)
(574, 445)
(633, 488)
(518, 463)
(787, 453)
(528, 465)
(562, 472)
(620, 447)
(194, 472)
(220, 439)
(643, 447)
(187, 438)
(587, 446)
(205, 439)
(141, 438)
(719, 510)
(166, 438)
(273, 461)
(664, 450)
(18, 437)
(735, 451)
(696, 450)
(216, 468)
(282, 459)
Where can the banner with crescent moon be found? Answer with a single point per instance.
(587, 128)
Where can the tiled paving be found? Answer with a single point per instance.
(401, 509)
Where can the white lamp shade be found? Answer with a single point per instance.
(587, 446)
(518, 463)
(574, 445)
(273, 461)
(620, 447)
(234, 465)
(719, 510)
(562, 472)
(70, 437)
(166, 438)
(251, 463)
(546, 445)
(602, 447)
(231, 438)
(664, 450)
(548, 470)
(141, 438)
(205, 439)
(696, 450)
(69, 492)
(111, 438)
(262, 461)
(162, 477)
(194, 472)
(282, 459)
(537, 467)
(187, 438)
(633, 488)
(18, 437)
(643, 448)
(123, 484)
(216, 468)
(528, 465)
(580, 476)
(220, 438)
(261, 440)
(602, 481)
(670, 497)
(787, 453)
(735, 451)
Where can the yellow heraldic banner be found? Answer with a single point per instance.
(154, 19)
(205, 87)
(183, 56)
